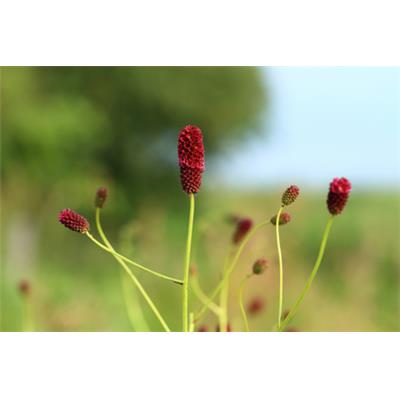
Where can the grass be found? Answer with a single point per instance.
(77, 287)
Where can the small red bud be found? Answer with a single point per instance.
(101, 197)
(339, 191)
(260, 266)
(290, 195)
(72, 220)
(243, 226)
(284, 218)
(24, 287)
(255, 306)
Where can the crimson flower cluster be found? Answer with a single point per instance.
(72, 220)
(243, 226)
(339, 191)
(191, 158)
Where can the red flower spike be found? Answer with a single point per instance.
(72, 220)
(260, 266)
(339, 191)
(243, 226)
(255, 306)
(191, 158)
(290, 195)
(283, 219)
(101, 197)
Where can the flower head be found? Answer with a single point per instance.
(191, 158)
(255, 306)
(284, 218)
(260, 266)
(243, 225)
(24, 287)
(339, 191)
(101, 197)
(290, 195)
(72, 220)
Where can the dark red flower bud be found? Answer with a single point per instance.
(339, 191)
(255, 306)
(202, 328)
(101, 197)
(284, 218)
(290, 195)
(191, 158)
(24, 287)
(73, 221)
(242, 228)
(260, 266)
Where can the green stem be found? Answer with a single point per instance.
(223, 299)
(278, 245)
(231, 267)
(242, 309)
(194, 282)
(27, 319)
(185, 302)
(115, 254)
(307, 286)
(134, 310)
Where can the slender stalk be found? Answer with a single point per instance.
(131, 275)
(194, 282)
(307, 286)
(185, 302)
(115, 254)
(191, 322)
(278, 245)
(231, 267)
(223, 298)
(242, 309)
(134, 310)
(27, 319)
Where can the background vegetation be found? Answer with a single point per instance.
(67, 131)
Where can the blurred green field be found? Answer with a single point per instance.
(77, 287)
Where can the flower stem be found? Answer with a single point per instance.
(134, 310)
(307, 286)
(194, 282)
(278, 245)
(27, 319)
(242, 309)
(185, 302)
(115, 254)
(231, 266)
(223, 298)
(131, 275)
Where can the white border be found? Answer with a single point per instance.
(207, 32)
(199, 366)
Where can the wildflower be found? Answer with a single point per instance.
(242, 228)
(101, 197)
(290, 195)
(255, 306)
(191, 158)
(72, 220)
(24, 287)
(260, 266)
(339, 191)
(283, 219)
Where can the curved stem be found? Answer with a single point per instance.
(278, 245)
(133, 308)
(231, 267)
(242, 309)
(307, 286)
(223, 298)
(203, 297)
(185, 302)
(115, 254)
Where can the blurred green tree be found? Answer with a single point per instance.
(119, 122)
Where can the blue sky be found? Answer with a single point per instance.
(323, 122)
